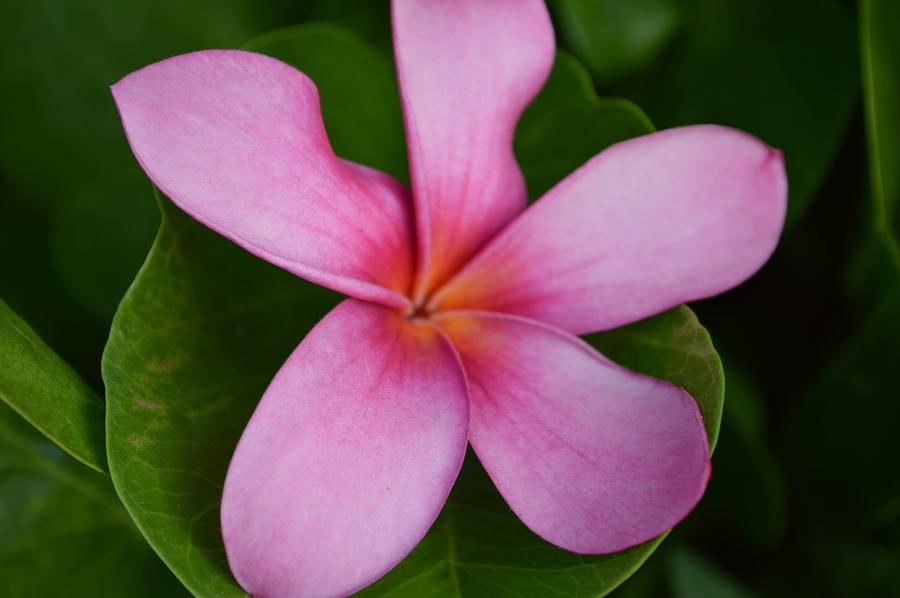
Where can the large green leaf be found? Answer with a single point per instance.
(567, 124)
(205, 326)
(63, 532)
(48, 393)
(193, 345)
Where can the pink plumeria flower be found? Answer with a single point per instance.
(465, 305)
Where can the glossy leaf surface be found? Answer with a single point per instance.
(191, 350)
(179, 394)
(41, 387)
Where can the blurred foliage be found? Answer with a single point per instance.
(357, 90)
(804, 498)
(77, 212)
(567, 124)
(617, 39)
(785, 71)
(694, 576)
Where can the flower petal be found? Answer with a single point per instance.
(645, 225)
(467, 69)
(348, 458)
(236, 140)
(592, 457)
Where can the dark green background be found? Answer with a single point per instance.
(804, 498)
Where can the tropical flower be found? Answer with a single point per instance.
(465, 305)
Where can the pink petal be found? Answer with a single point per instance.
(348, 458)
(236, 140)
(592, 457)
(647, 224)
(467, 69)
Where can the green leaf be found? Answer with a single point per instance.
(567, 124)
(44, 390)
(672, 346)
(205, 326)
(358, 89)
(63, 532)
(879, 20)
(100, 236)
(174, 418)
(783, 71)
(614, 38)
(196, 340)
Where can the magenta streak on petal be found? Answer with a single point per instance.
(467, 69)
(348, 458)
(647, 224)
(591, 456)
(236, 140)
